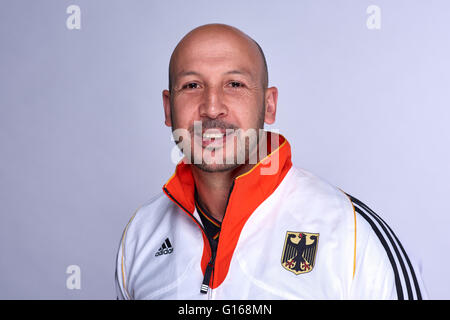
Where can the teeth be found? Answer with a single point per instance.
(212, 135)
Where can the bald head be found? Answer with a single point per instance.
(217, 39)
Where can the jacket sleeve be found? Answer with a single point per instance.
(383, 269)
(120, 274)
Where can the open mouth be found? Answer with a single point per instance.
(215, 137)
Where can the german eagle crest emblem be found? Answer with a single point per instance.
(299, 251)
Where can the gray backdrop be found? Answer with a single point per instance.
(83, 143)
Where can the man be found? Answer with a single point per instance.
(262, 229)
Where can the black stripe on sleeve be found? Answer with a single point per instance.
(398, 284)
(384, 225)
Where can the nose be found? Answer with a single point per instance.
(213, 105)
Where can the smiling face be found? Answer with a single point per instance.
(218, 78)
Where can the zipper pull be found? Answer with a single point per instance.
(209, 268)
(205, 285)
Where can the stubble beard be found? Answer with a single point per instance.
(242, 147)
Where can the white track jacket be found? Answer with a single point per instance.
(287, 235)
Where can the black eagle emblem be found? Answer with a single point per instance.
(299, 252)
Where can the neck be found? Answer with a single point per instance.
(214, 187)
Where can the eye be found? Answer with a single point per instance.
(191, 85)
(236, 84)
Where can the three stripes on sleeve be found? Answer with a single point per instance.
(406, 281)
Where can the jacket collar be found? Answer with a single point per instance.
(181, 186)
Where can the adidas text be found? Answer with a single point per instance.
(165, 251)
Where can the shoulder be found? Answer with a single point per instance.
(314, 192)
(148, 216)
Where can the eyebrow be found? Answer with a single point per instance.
(194, 73)
(187, 73)
(242, 72)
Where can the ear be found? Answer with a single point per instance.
(271, 98)
(167, 109)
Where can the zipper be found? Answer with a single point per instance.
(209, 271)
(210, 266)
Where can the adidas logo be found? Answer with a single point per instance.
(166, 248)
